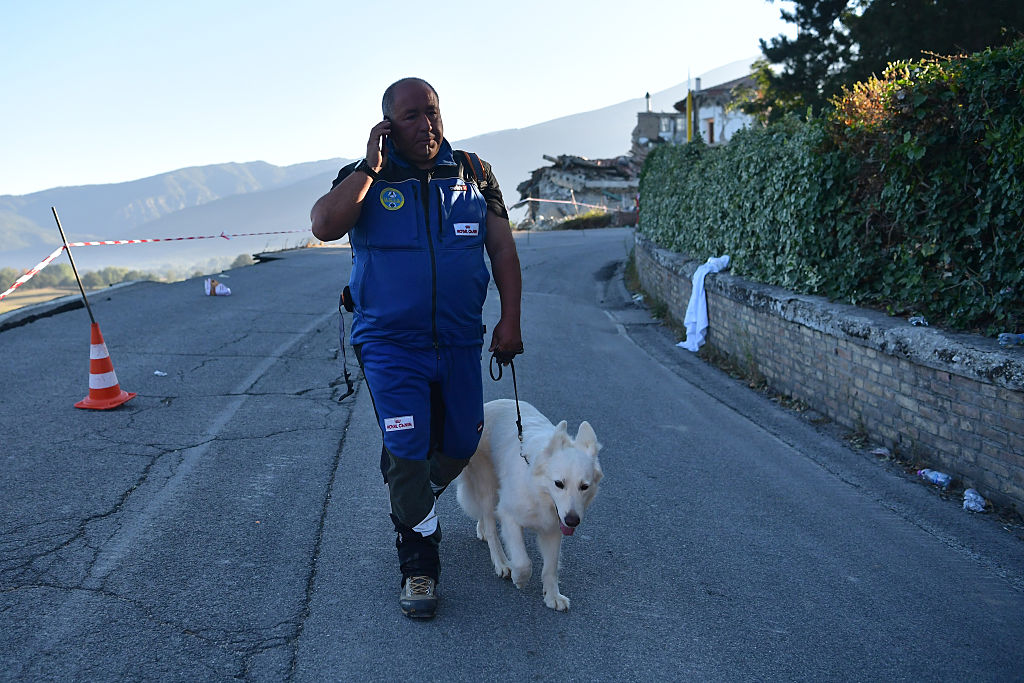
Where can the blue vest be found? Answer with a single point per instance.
(418, 273)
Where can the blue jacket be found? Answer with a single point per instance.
(418, 273)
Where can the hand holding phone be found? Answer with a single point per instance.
(376, 148)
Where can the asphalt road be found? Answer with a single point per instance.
(229, 522)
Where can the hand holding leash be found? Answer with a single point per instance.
(506, 342)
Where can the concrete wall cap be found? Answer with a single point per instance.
(967, 355)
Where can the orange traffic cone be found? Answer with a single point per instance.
(104, 391)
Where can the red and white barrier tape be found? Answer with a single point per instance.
(46, 261)
(28, 276)
(555, 201)
(179, 239)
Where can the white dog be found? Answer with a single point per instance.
(544, 483)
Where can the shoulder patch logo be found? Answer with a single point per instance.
(391, 199)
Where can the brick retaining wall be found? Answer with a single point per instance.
(951, 401)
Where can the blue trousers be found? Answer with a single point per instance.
(429, 406)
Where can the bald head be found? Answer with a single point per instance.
(388, 102)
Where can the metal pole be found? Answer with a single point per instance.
(73, 268)
(689, 116)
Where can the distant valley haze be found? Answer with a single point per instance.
(260, 197)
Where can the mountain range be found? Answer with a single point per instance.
(260, 197)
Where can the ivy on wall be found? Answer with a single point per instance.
(907, 196)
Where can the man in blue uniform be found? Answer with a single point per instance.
(419, 216)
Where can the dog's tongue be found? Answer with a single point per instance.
(566, 530)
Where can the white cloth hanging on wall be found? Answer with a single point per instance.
(696, 320)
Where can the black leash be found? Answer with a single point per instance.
(343, 305)
(515, 390)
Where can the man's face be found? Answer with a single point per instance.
(416, 128)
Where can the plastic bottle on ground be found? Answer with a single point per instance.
(935, 477)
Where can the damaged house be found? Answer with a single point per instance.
(575, 185)
(713, 119)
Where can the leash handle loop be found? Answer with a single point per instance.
(515, 388)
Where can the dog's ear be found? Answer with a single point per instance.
(587, 439)
(560, 439)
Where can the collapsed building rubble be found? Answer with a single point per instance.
(575, 185)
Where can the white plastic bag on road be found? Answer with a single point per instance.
(214, 288)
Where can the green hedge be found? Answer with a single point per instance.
(594, 218)
(907, 196)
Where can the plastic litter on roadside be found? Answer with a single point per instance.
(159, 373)
(882, 452)
(973, 501)
(1011, 339)
(940, 479)
(214, 288)
(918, 320)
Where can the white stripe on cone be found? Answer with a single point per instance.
(98, 351)
(104, 380)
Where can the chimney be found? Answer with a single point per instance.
(648, 97)
(698, 84)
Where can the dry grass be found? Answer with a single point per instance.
(26, 297)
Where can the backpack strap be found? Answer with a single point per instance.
(471, 162)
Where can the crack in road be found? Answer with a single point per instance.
(114, 549)
(315, 558)
(240, 644)
(104, 551)
(25, 566)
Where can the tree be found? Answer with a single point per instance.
(8, 276)
(811, 64)
(887, 31)
(840, 42)
(242, 260)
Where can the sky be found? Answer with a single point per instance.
(107, 91)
